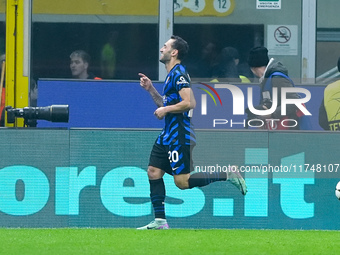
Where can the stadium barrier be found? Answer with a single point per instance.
(97, 178)
(119, 104)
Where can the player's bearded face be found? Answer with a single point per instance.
(166, 51)
(165, 56)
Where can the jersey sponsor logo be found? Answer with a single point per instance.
(181, 81)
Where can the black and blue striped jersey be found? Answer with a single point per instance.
(178, 128)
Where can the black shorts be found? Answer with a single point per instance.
(173, 159)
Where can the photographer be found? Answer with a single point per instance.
(272, 74)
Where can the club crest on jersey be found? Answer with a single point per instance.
(182, 80)
(165, 100)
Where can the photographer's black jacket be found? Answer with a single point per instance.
(280, 82)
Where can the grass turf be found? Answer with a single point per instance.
(174, 241)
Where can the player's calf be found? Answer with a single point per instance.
(181, 181)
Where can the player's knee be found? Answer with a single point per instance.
(154, 173)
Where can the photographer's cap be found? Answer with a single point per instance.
(258, 56)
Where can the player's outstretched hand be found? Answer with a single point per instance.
(145, 82)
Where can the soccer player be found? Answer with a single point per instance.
(172, 150)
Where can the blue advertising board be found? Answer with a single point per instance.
(118, 104)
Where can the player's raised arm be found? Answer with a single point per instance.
(146, 84)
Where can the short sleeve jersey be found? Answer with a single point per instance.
(178, 128)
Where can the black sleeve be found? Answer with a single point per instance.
(323, 120)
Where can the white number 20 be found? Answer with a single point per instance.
(173, 156)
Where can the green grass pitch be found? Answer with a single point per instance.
(174, 241)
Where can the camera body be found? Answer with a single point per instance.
(54, 113)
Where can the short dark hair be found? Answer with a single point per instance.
(181, 45)
(82, 54)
